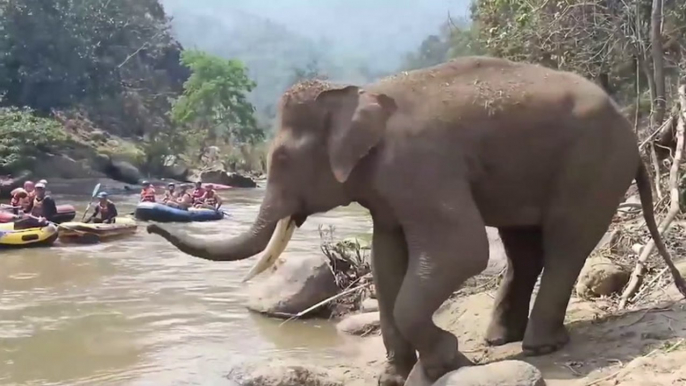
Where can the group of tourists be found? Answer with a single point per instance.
(35, 207)
(199, 197)
(33, 204)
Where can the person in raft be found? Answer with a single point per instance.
(170, 195)
(198, 193)
(148, 192)
(20, 200)
(105, 212)
(210, 199)
(42, 209)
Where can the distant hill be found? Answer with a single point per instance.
(351, 40)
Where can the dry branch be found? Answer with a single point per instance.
(639, 270)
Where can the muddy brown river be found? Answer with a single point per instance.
(139, 312)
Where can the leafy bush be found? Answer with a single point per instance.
(24, 136)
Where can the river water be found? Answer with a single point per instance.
(139, 312)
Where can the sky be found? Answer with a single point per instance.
(377, 30)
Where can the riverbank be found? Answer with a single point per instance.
(74, 149)
(641, 346)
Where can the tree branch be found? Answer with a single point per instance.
(639, 270)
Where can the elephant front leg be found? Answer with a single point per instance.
(389, 265)
(443, 254)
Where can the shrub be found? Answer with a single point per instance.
(25, 136)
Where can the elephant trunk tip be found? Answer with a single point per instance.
(157, 229)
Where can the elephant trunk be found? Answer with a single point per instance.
(265, 234)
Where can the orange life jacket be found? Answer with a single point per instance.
(210, 197)
(198, 193)
(148, 194)
(18, 201)
(169, 196)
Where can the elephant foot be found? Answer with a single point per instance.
(444, 359)
(499, 334)
(537, 344)
(391, 376)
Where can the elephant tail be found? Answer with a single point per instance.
(646, 194)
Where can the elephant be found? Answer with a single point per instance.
(436, 155)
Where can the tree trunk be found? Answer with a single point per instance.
(659, 102)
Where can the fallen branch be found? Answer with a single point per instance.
(639, 270)
(326, 301)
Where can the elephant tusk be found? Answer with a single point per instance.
(282, 235)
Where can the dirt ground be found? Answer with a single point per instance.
(640, 346)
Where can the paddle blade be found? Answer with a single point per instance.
(95, 190)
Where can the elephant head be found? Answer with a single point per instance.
(324, 133)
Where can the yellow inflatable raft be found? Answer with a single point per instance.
(95, 232)
(30, 237)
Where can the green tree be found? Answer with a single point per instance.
(214, 108)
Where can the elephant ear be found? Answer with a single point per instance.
(357, 122)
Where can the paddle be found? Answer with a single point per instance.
(95, 191)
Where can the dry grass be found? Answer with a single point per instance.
(350, 264)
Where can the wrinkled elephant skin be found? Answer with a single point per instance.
(436, 155)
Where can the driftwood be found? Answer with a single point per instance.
(639, 270)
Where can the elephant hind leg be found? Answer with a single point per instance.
(587, 193)
(524, 249)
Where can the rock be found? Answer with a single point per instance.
(61, 166)
(360, 324)
(279, 373)
(503, 373)
(176, 172)
(124, 171)
(99, 135)
(223, 178)
(296, 283)
(601, 277)
(369, 305)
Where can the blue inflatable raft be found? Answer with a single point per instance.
(152, 211)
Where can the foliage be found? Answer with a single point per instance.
(600, 39)
(214, 107)
(115, 61)
(451, 41)
(24, 136)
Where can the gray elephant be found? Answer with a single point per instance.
(436, 155)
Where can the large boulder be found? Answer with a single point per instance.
(223, 178)
(280, 373)
(118, 170)
(601, 277)
(360, 324)
(503, 373)
(125, 172)
(63, 167)
(294, 285)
